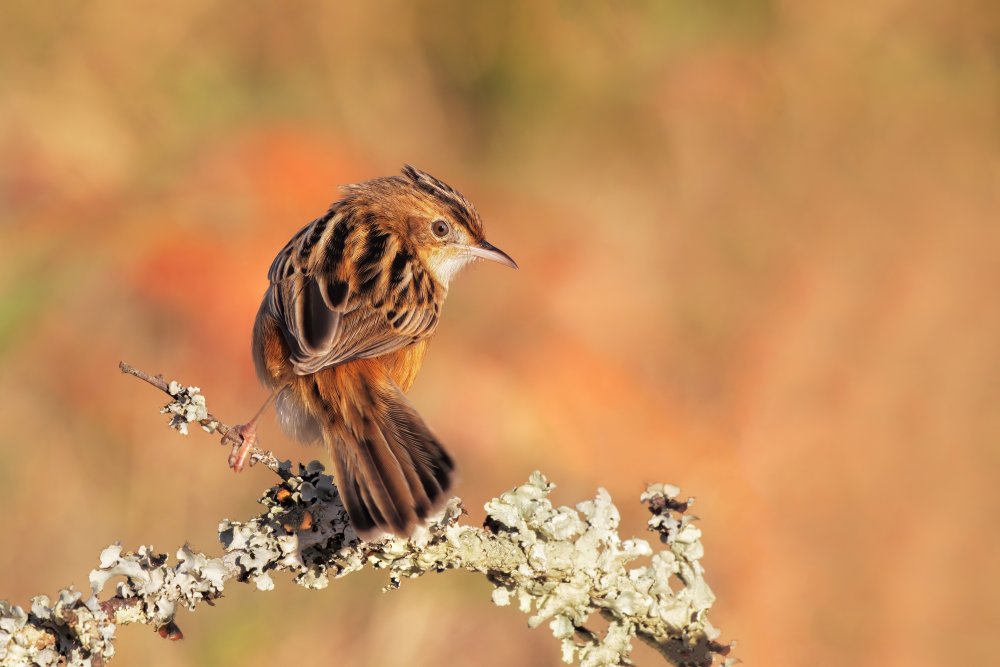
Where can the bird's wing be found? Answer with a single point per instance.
(376, 299)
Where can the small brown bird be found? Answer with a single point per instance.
(354, 299)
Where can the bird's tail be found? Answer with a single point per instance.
(391, 471)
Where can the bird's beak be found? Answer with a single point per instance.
(486, 250)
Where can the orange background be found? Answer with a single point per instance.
(759, 251)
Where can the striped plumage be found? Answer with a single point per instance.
(353, 299)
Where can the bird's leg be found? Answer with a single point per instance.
(243, 437)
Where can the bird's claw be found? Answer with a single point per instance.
(243, 439)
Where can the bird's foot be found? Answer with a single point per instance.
(243, 438)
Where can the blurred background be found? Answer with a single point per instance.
(759, 259)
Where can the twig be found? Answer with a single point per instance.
(185, 398)
(560, 564)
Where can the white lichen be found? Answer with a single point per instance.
(561, 565)
(188, 406)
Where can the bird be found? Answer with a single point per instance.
(352, 303)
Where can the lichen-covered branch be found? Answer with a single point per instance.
(561, 565)
(188, 406)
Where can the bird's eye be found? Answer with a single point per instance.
(440, 228)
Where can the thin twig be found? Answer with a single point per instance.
(210, 422)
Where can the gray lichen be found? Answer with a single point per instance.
(560, 565)
(188, 406)
(71, 629)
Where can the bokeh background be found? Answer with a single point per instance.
(759, 249)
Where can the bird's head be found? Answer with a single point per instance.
(438, 222)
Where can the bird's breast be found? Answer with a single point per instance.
(404, 364)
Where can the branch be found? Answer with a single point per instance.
(559, 564)
(189, 406)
